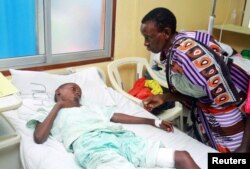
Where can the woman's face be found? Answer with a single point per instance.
(154, 40)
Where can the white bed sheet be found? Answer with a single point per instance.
(52, 153)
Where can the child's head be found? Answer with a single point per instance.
(68, 91)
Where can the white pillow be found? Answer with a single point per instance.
(33, 82)
(39, 87)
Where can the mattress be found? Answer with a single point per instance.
(52, 154)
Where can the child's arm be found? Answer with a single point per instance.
(123, 118)
(42, 130)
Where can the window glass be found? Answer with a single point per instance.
(45, 32)
(76, 25)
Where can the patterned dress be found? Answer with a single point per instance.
(221, 124)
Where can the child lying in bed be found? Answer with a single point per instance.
(99, 143)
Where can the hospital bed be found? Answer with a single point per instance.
(36, 90)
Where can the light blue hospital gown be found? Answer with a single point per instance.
(97, 142)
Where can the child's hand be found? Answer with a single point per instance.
(167, 126)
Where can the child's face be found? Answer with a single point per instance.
(70, 91)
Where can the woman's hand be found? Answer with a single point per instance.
(167, 126)
(240, 150)
(245, 144)
(154, 101)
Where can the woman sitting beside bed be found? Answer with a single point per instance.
(99, 143)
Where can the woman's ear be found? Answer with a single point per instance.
(168, 32)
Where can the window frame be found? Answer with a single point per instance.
(49, 61)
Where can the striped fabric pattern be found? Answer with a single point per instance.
(220, 125)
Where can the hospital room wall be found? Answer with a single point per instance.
(238, 41)
(129, 41)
